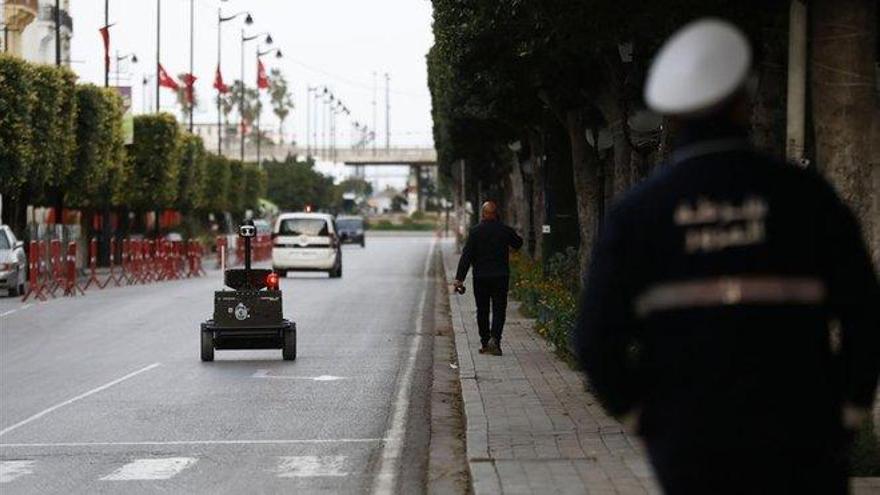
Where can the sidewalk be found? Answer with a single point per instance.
(531, 427)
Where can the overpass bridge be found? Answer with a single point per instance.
(350, 156)
(420, 160)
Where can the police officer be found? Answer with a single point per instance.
(487, 249)
(706, 314)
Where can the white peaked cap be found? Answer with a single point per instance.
(700, 66)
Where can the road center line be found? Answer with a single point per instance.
(78, 397)
(386, 481)
(171, 443)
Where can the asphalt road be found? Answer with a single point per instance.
(106, 393)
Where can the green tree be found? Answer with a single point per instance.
(100, 150)
(254, 186)
(54, 127)
(235, 192)
(16, 147)
(155, 162)
(282, 102)
(292, 185)
(217, 176)
(192, 174)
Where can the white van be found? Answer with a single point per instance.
(306, 242)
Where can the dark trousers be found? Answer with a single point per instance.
(737, 470)
(491, 291)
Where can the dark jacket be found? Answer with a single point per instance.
(757, 371)
(487, 249)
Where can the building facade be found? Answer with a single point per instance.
(29, 31)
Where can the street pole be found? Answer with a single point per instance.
(387, 114)
(158, 53)
(308, 121)
(219, 94)
(58, 33)
(191, 89)
(259, 110)
(107, 27)
(241, 101)
(374, 111)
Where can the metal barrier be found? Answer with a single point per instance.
(52, 268)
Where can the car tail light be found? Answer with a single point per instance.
(5, 266)
(272, 281)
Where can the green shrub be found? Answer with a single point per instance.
(549, 296)
(154, 162)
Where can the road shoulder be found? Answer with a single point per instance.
(447, 465)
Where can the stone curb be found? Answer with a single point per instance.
(484, 477)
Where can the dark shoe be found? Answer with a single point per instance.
(484, 349)
(494, 348)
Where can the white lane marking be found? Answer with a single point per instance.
(7, 313)
(151, 469)
(314, 441)
(10, 470)
(385, 481)
(310, 466)
(322, 378)
(78, 397)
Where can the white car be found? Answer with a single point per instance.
(13, 262)
(306, 242)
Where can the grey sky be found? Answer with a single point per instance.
(338, 43)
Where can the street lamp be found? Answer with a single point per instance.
(120, 58)
(248, 19)
(278, 54)
(245, 39)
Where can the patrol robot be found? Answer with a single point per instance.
(249, 316)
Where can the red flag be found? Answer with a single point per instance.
(188, 81)
(166, 80)
(105, 35)
(219, 85)
(262, 78)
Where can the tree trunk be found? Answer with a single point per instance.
(586, 183)
(768, 117)
(537, 182)
(844, 100)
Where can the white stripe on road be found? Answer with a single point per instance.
(264, 373)
(315, 441)
(386, 480)
(7, 313)
(151, 469)
(310, 466)
(10, 470)
(78, 397)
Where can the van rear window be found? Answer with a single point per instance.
(304, 226)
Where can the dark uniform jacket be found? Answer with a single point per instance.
(487, 249)
(708, 302)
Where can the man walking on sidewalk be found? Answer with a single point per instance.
(706, 313)
(487, 249)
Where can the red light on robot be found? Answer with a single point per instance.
(272, 281)
(308, 208)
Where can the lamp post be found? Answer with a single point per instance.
(220, 20)
(245, 39)
(278, 54)
(120, 58)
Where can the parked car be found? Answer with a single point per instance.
(13, 263)
(306, 242)
(351, 229)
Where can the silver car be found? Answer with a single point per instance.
(13, 262)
